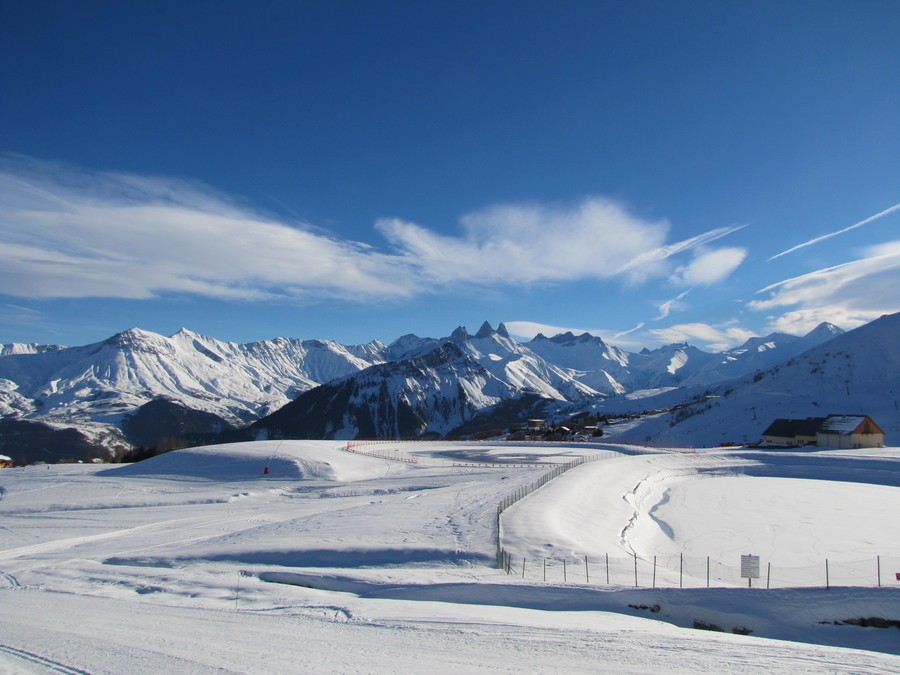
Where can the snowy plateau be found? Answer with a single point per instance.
(315, 556)
(140, 389)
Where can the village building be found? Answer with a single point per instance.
(793, 432)
(849, 431)
(834, 431)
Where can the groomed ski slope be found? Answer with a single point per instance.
(198, 561)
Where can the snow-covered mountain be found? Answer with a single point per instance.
(520, 367)
(13, 348)
(856, 372)
(237, 382)
(759, 353)
(588, 359)
(610, 370)
(430, 394)
(416, 385)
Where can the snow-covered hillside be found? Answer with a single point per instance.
(201, 561)
(857, 372)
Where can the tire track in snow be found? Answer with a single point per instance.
(37, 659)
(11, 581)
(640, 494)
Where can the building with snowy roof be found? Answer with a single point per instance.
(793, 432)
(849, 431)
(834, 431)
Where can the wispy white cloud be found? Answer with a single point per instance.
(666, 308)
(529, 243)
(712, 336)
(66, 233)
(848, 295)
(709, 267)
(649, 263)
(882, 214)
(623, 333)
(69, 233)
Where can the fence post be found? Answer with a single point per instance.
(879, 571)
(827, 580)
(607, 569)
(545, 569)
(707, 571)
(587, 573)
(681, 570)
(653, 585)
(564, 571)
(768, 574)
(523, 566)
(635, 569)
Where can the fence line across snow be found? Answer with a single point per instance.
(680, 571)
(503, 560)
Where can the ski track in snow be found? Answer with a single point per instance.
(43, 661)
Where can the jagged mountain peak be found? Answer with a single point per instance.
(460, 334)
(486, 330)
(570, 338)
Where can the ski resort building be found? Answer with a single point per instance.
(793, 432)
(834, 431)
(849, 431)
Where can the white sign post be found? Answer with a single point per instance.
(749, 568)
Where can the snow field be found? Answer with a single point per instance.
(686, 519)
(197, 561)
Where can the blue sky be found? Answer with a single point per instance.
(361, 170)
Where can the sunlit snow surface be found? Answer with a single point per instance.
(200, 561)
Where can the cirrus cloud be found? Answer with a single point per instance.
(76, 234)
(709, 267)
(713, 336)
(71, 233)
(848, 295)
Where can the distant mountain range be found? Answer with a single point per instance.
(141, 388)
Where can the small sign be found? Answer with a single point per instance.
(750, 567)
